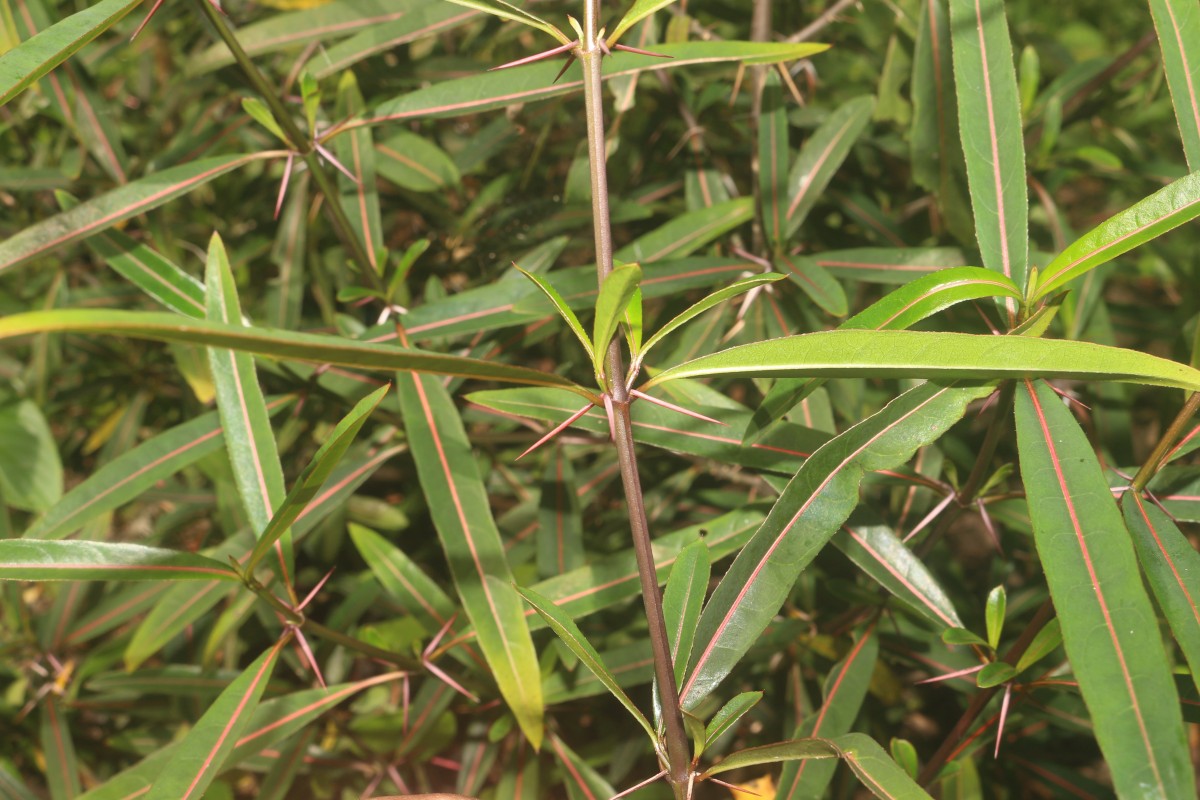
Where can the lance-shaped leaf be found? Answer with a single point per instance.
(567, 631)
(989, 117)
(1171, 565)
(58, 748)
(44, 51)
(560, 518)
(887, 264)
(499, 8)
(822, 155)
(844, 691)
(314, 476)
(940, 356)
(38, 560)
(489, 90)
(934, 132)
(458, 503)
(884, 557)
(103, 212)
(200, 755)
(729, 714)
(688, 232)
(1167, 208)
(816, 281)
(636, 13)
(615, 293)
(773, 159)
(403, 579)
(582, 781)
(683, 600)
(272, 343)
(31, 473)
(811, 508)
(360, 196)
(428, 20)
(1178, 27)
(285, 295)
(564, 311)
(1109, 627)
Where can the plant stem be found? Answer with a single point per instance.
(302, 144)
(678, 758)
(1162, 449)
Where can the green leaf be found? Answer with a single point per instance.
(130, 474)
(458, 503)
(1108, 625)
(262, 115)
(93, 216)
(962, 636)
(524, 84)
(929, 294)
(615, 293)
(683, 601)
(39, 560)
(793, 750)
(567, 631)
(715, 298)
(565, 312)
(821, 287)
(888, 264)
(636, 13)
(845, 690)
(940, 356)
(1178, 28)
(773, 159)
(995, 674)
(249, 439)
(989, 117)
(997, 604)
(808, 512)
(822, 155)
(1044, 643)
(400, 577)
(1167, 208)
(729, 714)
(44, 51)
(1171, 565)
(508, 11)
(687, 233)
(31, 472)
(426, 20)
(272, 343)
(314, 476)
(415, 163)
(560, 519)
(356, 152)
(58, 748)
(200, 755)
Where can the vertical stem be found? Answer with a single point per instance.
(678, 758)
(1162, 449)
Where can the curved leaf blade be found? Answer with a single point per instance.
(272, 343)
(427, 20)
(1178, 27)
(636, 13)
(44, 51)
(564, 311)
(773, 158)
(41, 560)
(683, 601)
(1108, 625)
(938, 356)
(1168, 208)
(822, 155)
(714, 299)
(989, 118)
(811, 508)
(929, 294)
(93, 216)
(816, 281)
(615, 293)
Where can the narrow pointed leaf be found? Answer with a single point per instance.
(31, 472)
(636, 13)
(427, 20)
(1108, 625)
(773, 160)
(934, 131)
(200, 755)
(288, 252)
(927, 295)
(314, 476)
(37, 560)
(729, 714)
(564, 311)
(356, 151)
(1178, 27)
(942, 356)
(682, 602)
(93, 216)
(822, 155)
(716, 298)
(809, 511)
(511, 12)
(989, 117)
(887, 264)
(793, 750)
(567, 631)
(403, 579)
(536, 81)
(1172, 567)
(820, 286)
(272, 343)
(44, 51)
(1168, 208)
(615, 294)
(688, 232)
(560, 518)
(582, 781)
(58, 748)
(459, 505)
(845, 690)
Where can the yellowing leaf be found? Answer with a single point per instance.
(758, 789)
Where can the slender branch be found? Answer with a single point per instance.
(302, 144)
(1163, 448)
(818, 24)
(678, 766)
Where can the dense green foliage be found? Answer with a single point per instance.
(317, 462)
